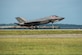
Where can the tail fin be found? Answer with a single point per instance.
(21, 20)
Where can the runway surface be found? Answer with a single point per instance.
(43, 36)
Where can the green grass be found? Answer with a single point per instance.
(40, 46)
(34, 32)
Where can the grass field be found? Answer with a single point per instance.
(40, 46)
(35, 32)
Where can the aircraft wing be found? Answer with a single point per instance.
(33, 23)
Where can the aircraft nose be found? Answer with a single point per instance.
(62, 18)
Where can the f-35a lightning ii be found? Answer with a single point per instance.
(45, 20)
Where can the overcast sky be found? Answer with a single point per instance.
(35, 9)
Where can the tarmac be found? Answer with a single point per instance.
(43, 36)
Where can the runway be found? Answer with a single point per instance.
(34, 29)
(43, 36)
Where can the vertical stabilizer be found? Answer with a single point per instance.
(21, 20)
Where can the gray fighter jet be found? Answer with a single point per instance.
(45, 20)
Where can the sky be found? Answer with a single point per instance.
(35, 9)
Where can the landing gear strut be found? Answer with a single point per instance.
(52, 25)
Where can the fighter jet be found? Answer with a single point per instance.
(45, 20)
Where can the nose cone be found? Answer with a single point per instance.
(61, 19)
